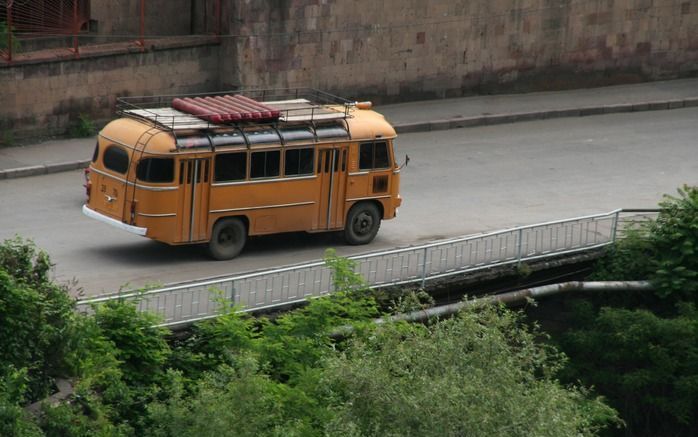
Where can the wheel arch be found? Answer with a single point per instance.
(376, 202)
(245, 221)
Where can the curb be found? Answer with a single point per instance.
(516, 117)
(37, 170)
(427, 126)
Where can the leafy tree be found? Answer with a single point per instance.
(4, 32)
(36, 312)
(664, 251)
(674, 237)
(641, 350)
(234, 400)
(480, 373)
(646, 365)
(14, 421)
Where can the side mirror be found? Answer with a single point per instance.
(407, 161)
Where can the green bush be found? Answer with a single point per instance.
(674, 237)
(664, 251)
(14, 421)
(4, 31)
(36, 312)
(480, 373)
(83, 127)
(647, 366)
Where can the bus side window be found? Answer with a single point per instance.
(155, 170)
(230, 167)
(298, 162)
(265, 164)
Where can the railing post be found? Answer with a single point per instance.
(424, 269)
(76, 29)
(141, 40)
(218, 20)
(614, 226)
(519, 247)
(9, 30)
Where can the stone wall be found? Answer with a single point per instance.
(47, 97)
(162, 17)
(387, 51)
(394, 50)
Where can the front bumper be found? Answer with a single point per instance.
(110, 221)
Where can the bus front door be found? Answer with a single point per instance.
(332, 175)
(192, 211)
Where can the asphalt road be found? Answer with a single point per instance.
(458, 182)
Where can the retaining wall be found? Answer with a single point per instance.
(46, 97)
(388, 51)
(405, 49)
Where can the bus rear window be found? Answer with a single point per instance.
(265, 164)
(374, 155)
(230, 167)
(156, 170)
(299, 162)
(116, 159)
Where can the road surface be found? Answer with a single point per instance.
(458, 182)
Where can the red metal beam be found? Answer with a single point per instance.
(76, 29)
(9, 30)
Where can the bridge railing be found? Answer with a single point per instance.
(195, 301)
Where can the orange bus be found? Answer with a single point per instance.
(205, 169)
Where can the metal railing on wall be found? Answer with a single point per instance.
(187, 303)
(57, 20)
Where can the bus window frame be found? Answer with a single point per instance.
(121, 148)
(265, 150)
(373, 167)
(175, 176)
(218, 152)
(300, 147)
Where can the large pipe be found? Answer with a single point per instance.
(510, 298)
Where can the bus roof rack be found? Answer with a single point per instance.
(208, 110)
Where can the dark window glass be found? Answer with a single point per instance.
(298, 162)
(374, 155)
(116, 159)
(95, 155)
(366, 156)
(230, 167)
(380, 154)
(265, 164)
(155, 170)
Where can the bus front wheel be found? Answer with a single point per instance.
(227, 239)
(362, 223)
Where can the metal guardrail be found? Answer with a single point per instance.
(195, 301)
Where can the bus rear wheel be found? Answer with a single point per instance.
(362, 223)
(227, 239)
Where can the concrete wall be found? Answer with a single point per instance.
(47, 97)
(401, 49)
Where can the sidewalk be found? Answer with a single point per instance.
(69, 154)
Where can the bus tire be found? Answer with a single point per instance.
(227, 239)
(362, 223)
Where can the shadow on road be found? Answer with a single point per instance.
(154, 253)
